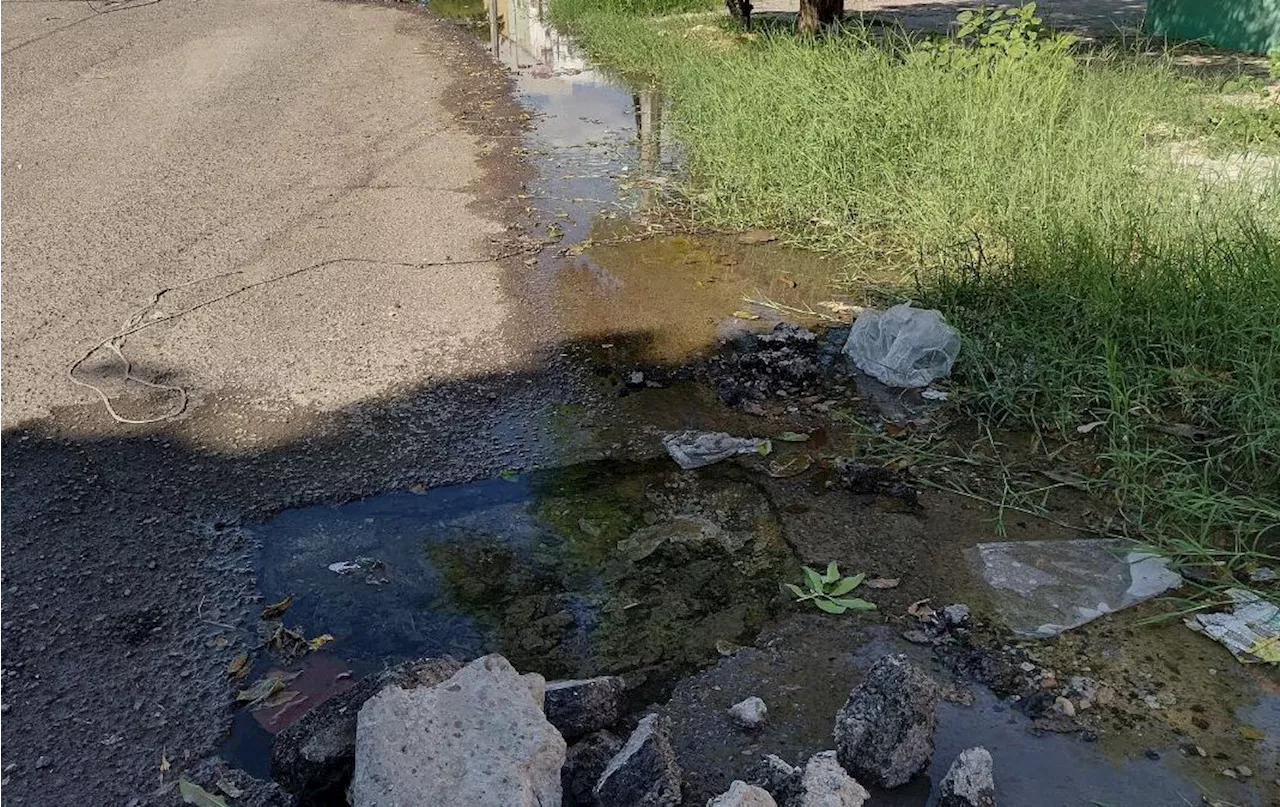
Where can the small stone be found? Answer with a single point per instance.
(824, 783)
(42, 762)
(970, 781)
(1263, 575)
(1245, 771)
(749, 713)
(1150, 701)
(884, 732)
(578, 708)
(956, 615)
(741, 794)
(1151, 753)
(1027, 667)
(636, 378)
(1065, 706)
(644, 773)
(1230, 773)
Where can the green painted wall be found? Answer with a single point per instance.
(1250, 25)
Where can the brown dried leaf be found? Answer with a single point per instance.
(276, 610)
(920, 609)
(883, 582)
(238, 667)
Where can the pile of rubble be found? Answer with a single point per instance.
(441, 732)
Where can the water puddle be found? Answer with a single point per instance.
(639, 569)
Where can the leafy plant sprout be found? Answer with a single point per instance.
(827, 591)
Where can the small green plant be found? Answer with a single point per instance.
(985, 36)
(1273, 63)
(827, 591)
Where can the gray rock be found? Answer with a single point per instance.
(778, 777)
(580, 707)
(884, 732)
(583, 764)
(823, 783)
(479, 738)
(741, 794)
(644, 773)
(315, 755)
(749, 713)
(957, 615)
(970, 781)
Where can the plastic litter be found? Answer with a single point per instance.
(1042, 588)
(692, 449)
(1251, 630)
(903, 346)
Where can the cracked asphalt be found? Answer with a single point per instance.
(173, 165)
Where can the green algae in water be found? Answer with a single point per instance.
(632, 568)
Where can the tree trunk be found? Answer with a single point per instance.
(741, 11)
(817, 14)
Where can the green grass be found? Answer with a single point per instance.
(1037, 202)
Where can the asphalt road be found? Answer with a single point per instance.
(300, 202)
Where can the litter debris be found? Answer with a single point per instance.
(1251, 630)
(1088, 427)
(1263, 575)
(229, 787)
(692, 449)
(903, 346)
(792, 466)
(792, 437)
(1042, 588)
(747, 315)
(935, 394)
(357, 565)
(320, 641)
(193, 793)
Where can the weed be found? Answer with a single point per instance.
(828, 591)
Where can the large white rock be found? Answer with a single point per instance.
(824, 783)
(741, 794)
(479, 738)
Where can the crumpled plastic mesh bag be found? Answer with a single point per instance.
(903, 346)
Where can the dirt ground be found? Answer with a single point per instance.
(1098, 17)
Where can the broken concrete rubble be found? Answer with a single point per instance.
(583, 764)
(884, 733)
(580, 707)
(315, 755)
(749, 713)
(644, 773)
(970, 781)
(741, 794)
(479, 738)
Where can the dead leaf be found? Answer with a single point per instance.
(1068, 478)
(838, 307)
(745, 315)
(1088, 427)
(792, 437)
(757, 237)
(261, 690)
(894, 430)
(193, 793)
(165, 765)
(320, 641)
(282, 698)
(883, 582)
(238, 667)
(920, 609)
(1251, 733)
(276, 610)
(794, 466)
(229, 787)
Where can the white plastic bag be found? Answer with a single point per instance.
(904, 346)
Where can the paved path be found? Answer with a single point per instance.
(205, 146)
(172, 143)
